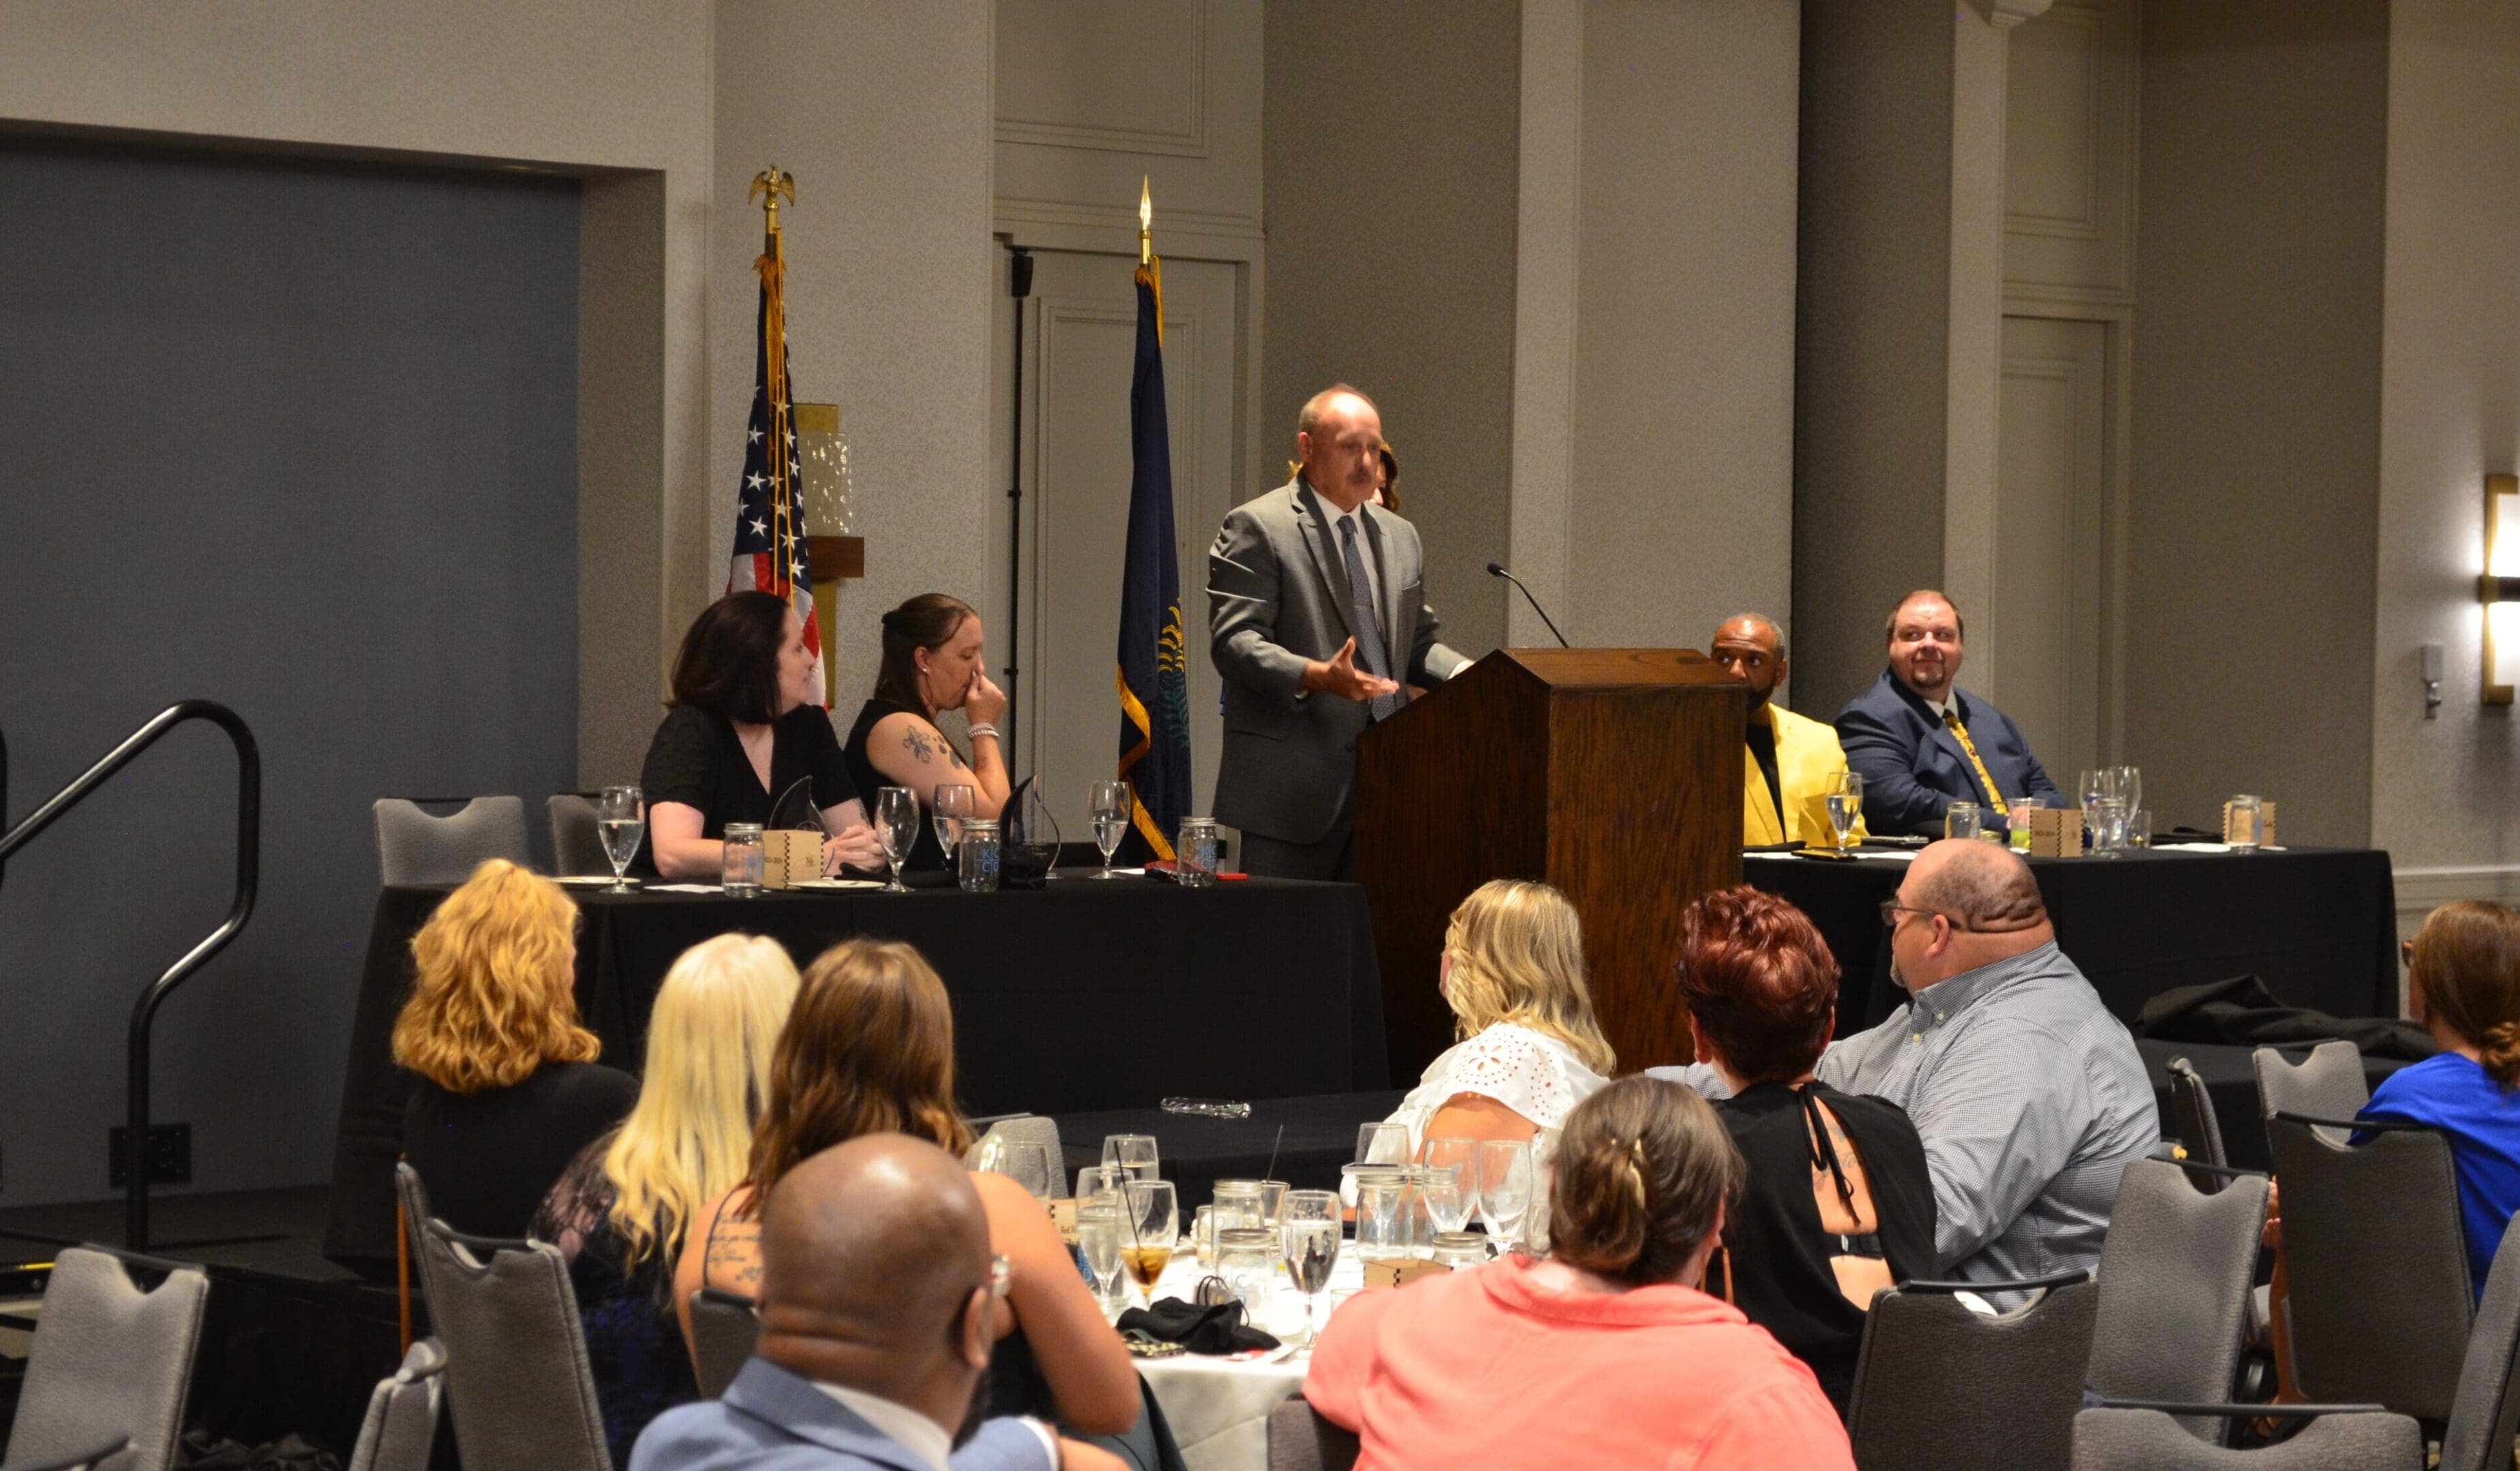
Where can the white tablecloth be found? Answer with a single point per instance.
(1219, 1407)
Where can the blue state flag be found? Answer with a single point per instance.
(1154, 654)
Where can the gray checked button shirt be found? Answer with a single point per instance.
(2031, 1100)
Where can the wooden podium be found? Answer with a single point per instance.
(1613, 773)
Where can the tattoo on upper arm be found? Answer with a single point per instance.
(915, 741)
(952, 756)
(735, 1253)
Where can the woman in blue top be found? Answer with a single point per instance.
(2463, 982)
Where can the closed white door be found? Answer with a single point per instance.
(2038, 657)
(1080, 344)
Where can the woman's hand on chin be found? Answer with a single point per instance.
(983, 702)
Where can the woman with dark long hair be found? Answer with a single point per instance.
(745, 727)
(933, 663)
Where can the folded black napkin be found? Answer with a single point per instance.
(1201, 1330)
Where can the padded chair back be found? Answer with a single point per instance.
(517, 1370)
(724, 1330)
(401, 1427)
(414, 847)
(577, 844)
(2146, 1440)
(2175, 1277)
(1024, 1128)
(1300, 1440)
(2192, 1110)
(1938, 1385)
(2328, 1084)
(109, 1360)
(2374, 1249)
(2486, 1417)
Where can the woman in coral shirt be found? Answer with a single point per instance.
(1607, 1354)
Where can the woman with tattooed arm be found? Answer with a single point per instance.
(931, 663)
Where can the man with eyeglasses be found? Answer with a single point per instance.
(879, 1304)
(2030, 1098)
(1922, 743)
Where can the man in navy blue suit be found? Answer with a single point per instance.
(1922, 743)
(879, 1304)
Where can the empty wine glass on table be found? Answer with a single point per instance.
(1462, 1157)
(1110, 821)
(1026, 1162)
(1100, 1233)
(896, 826)
(1845, 806)
(1132, 1152)
(1448, 1200)
(1309, 1228)
(1153, 1228)
(953, 807)
(622, 820)
(1505, 1188)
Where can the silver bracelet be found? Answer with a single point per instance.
(980, 730)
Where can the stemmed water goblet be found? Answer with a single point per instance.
(1505, 1190)
(1132, 1152)
(1845, 805)
(621, 818)
(1110, 821)
(1451, 1208)
(1308, 1224)
(896, 826)
(953, 807)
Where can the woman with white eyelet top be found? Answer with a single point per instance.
(1530, 1051)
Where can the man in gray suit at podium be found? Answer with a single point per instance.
(1315, 616)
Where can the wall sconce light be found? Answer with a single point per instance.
(2499, 588)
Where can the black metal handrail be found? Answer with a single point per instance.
(249, 867)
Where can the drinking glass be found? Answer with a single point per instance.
(1247, 1260)
(1381, 1218)
(953, 805)
(1026, 1162)
(1097, 1180)
(1132, 1152)
(1110, 821)
(1462, 1156)
(976, 862)
(1194, 856)
(1100, 1233)
(1961, 820)
(2093, 785)
(2016, 823)
(1845, 804)
(1310, 1227)
(2138, 829)
(1447, 1205)
(1238, 1203)
(2127, 783)
(622, 818)
(1460, 1249)
(2108, 827)
(2243, 834)
(1383, 1143)
(1153, 1228)
(1202, 1236)
(742, 862)
(1505, 1188)
(896, 826)
(1032, 831)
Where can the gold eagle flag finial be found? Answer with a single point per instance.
(769, 186)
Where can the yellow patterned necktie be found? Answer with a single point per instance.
(1951, 723)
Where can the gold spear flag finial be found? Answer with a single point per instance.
(767, 187)
(1146, 220)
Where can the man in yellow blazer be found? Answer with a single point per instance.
(1787, 762)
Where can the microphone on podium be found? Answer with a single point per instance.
(1496, 569)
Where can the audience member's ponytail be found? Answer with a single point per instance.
(2465, 973)
(1644, 1170)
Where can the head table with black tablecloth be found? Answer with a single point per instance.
(1082, 995)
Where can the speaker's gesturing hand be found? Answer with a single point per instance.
(1338, 675)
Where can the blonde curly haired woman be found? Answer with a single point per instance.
(621, 1212)
(1529, 1049)
(509, 1089)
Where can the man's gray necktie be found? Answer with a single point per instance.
(1369, 652)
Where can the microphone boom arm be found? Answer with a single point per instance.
(1497, 569)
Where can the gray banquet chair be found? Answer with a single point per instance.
(2377, 1261)
(414, 847)
(2192, 1109)
(2174, 1283)
(2328, 1084)
(577, 844)
(108, 1361)
(724, 1329)
(401, 1426)
(516, 1373)
(1938, 1385)
(1300, 1440)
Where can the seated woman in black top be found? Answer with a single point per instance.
(933, 663)
(1838, 1204)
(509, 1088)
(745, 725)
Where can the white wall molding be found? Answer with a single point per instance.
(2422, 890)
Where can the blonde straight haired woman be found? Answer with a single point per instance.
(620, 1213)
(1529, 1049)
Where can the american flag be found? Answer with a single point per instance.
(770, 552)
